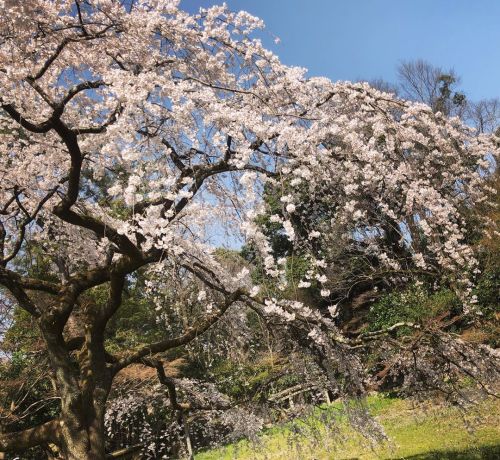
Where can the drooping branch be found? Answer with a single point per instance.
(172, 394)
(373, 335)
(165, 380)
(189, 334)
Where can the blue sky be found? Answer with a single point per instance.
(366, 39)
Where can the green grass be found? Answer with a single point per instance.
(433, 432)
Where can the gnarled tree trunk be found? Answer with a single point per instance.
(83, 388)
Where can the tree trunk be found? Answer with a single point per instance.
(83, 386)
(83, 435)
(79, 432)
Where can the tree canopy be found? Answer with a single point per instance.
(135, 138)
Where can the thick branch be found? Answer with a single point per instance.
(31, 284)
(99, 228)
(15, 288)
(44, 127)
(115, 296)
(21, 440)
(69, 138)
(199, 173)
(51, 59)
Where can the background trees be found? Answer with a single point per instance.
(134, 136)
(440, 89)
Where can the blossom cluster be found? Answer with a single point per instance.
(160, 130)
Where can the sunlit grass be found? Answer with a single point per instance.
(434, 432)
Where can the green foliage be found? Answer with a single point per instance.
(249, 379)
(26, 396)
(488, 285)
(296, 268)
(447, 97)
(37, 264)
(488, 291)
(134, 324)
(415, 304)
(23, 334)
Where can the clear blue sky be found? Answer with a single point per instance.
(366, 39)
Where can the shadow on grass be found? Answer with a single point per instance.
(476, 453)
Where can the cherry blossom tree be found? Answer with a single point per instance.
(135, 135)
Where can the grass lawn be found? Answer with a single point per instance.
(420, 433)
